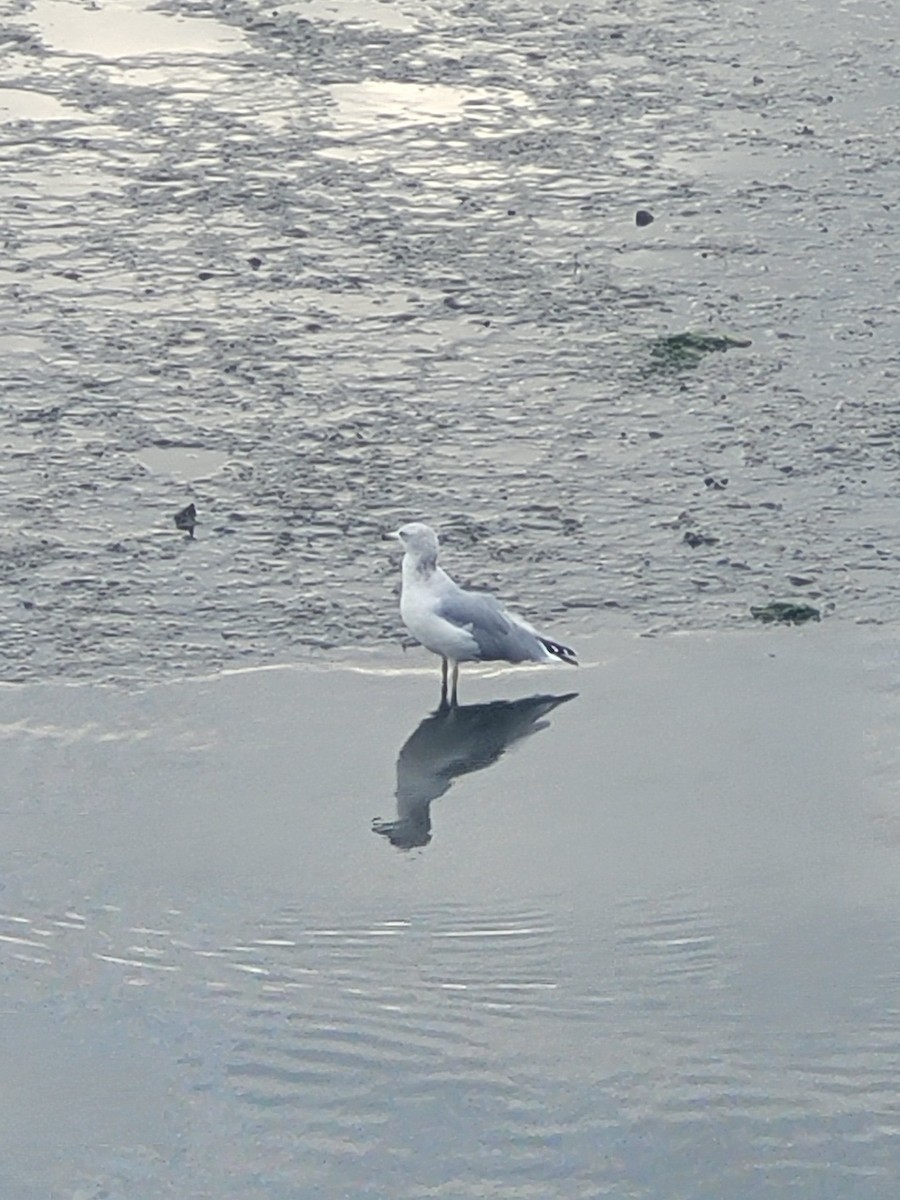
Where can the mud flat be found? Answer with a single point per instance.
(323, 267)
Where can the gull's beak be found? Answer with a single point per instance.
(390, 537)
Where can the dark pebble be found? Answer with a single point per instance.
(186, 519)
(642, 217)
(699, 539)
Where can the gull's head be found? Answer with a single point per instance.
(418, 540)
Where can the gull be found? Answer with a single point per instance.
(458, 625)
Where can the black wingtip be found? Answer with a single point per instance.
(565, 654)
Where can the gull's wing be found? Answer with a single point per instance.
(499, 634)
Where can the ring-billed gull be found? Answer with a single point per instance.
(462, 626)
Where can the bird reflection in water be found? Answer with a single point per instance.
(455, 741)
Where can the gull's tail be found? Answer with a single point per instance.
(564, 653)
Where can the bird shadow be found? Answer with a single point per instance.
(456, 741)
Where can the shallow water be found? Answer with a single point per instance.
(648, 949)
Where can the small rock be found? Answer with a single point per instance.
(187, 519)
(699, 539)
(642, 217)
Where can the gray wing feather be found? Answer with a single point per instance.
(498, 635)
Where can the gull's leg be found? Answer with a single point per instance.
(443, 682)
(453, 700)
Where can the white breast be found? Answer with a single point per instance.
(435, 634)
(419, 600)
